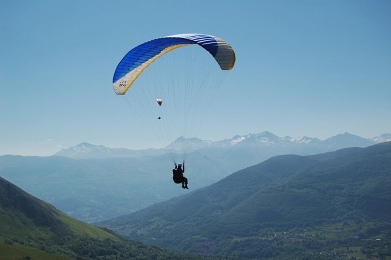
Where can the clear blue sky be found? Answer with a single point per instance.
(304, 68)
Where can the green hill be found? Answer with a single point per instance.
(328, 205)
(33, 229)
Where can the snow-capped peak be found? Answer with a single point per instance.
(382, 138)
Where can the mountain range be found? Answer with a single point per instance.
(329, 205)
(93, 183)
(235, 153)
(88, 151)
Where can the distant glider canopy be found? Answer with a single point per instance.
(159, 101)
(140, 57)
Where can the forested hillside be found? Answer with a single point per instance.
(33, 229)
(333, 204)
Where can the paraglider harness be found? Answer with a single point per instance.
(178, 175)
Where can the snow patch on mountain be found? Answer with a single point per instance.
(237, 139)
(301, 140)
(85, 148)
(383, 138)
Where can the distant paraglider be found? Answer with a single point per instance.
(159, 101)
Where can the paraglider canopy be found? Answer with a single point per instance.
(140, 57)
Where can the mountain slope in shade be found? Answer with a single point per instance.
(33, 229)
(27, 214)
(304, 204)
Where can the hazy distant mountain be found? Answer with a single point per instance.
(96, 189)
(288, 207)
(382, 138)
(347, 140)
(235, 153)
(33, 229)
(269, 139)
(244, 150)
(265, 138)
(88, 151)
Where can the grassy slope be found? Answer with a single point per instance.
(31, 228)
(27, 224)
(23, 215)
(17, 252)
